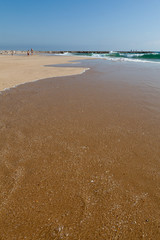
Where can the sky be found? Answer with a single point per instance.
(80, 25)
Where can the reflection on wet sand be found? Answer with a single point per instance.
(79, 157)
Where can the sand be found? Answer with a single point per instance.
(79, 156)
(15, 70)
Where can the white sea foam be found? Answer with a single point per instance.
(122, 59)
(129, 60)
(63, 54)
(117, 57)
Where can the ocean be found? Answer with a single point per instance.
(152, 57)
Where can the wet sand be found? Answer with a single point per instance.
(15, 70)
(80, 154)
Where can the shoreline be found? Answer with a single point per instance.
(17, 70)
(41, 79)
(5, 52)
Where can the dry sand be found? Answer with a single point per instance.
(15, 70)
(79, 156)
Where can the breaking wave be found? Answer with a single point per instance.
(118, 56)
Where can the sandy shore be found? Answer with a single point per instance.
(15, 70)
(79, 155)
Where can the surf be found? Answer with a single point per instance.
(152, 57)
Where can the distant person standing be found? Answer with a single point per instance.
(28, 53)
(31, 51)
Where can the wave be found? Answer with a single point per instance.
(153, 57)
(139, 55)
(63, 54)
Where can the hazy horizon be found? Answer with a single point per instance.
(47, 48)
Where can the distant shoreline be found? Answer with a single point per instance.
(6, 52)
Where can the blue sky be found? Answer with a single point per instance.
(80, 25)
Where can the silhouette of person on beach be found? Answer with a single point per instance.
(28, 53)
(31, 51)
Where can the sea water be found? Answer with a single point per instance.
(153, 57)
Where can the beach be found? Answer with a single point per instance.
(79, 153)
(15, 70)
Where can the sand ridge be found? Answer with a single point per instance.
(15, 70)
